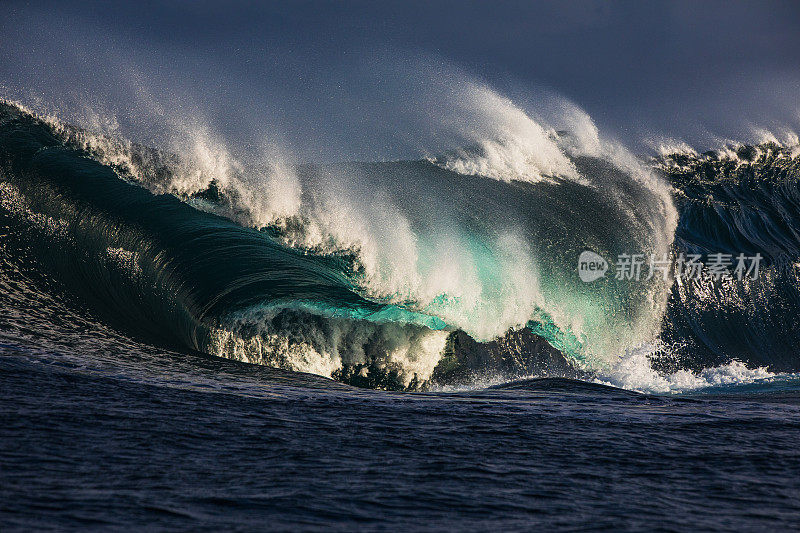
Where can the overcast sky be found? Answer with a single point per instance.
(333, 79)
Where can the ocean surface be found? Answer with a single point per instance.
(394, 345)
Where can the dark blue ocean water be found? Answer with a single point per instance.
(223, 445)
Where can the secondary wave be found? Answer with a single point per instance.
(742, 199)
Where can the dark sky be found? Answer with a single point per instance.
(340, 80)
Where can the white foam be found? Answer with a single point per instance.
(728, 149)
(666, 146)
(634, 372)
(411, 351)
(504, 142)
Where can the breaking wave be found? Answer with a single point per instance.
(455, 269)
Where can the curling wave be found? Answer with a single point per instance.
(372, 265)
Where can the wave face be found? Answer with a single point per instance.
(409, 274)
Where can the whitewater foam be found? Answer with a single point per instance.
(633, 371)
(324, 347)
(504, 143)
